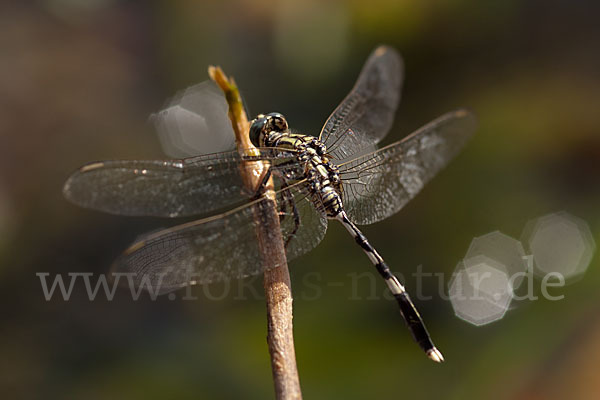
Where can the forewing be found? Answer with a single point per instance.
(379, 184)
(218, 248)
(365, 116)
(173, 188)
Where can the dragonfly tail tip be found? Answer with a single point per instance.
(435, 355)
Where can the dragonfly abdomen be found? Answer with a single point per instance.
(407, 308)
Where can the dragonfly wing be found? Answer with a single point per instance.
(173, 188)
(365, 116)
(218, 248)
(379, 184)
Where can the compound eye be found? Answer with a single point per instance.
(257, 130)
(277, 122)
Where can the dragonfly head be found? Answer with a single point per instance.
(264, 124)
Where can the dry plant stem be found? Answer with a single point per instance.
(277, 280)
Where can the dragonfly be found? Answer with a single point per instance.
(340, 175)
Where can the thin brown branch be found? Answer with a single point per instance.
(276, 280)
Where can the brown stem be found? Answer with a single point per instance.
(276, 280)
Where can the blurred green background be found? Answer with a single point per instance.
(78, 80)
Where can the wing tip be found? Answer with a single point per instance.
(387, 50)
(91, 166)
(469, 115)
(464, 112)
(381, 50)
(467, 118)
(69, 188)
(66, 189)
(81, 170)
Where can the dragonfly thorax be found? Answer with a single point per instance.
(272, 131)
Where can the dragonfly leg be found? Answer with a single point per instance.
(264, 179)
(266, 175)
(407, 308)
(289, 201)
(283, 209)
